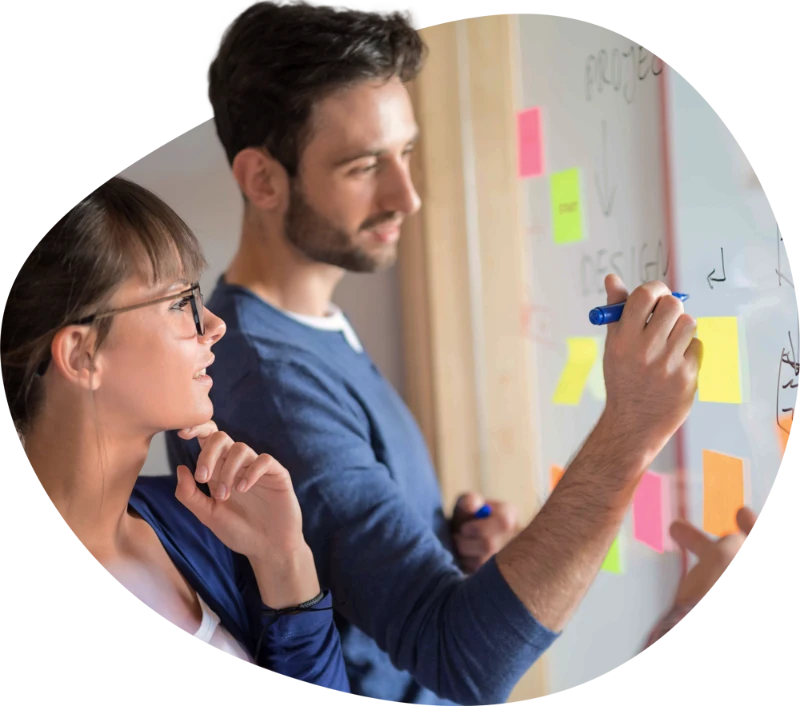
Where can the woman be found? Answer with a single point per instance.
(105, 342)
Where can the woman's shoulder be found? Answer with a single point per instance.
(212, 569)
(153, 497)
(193, 546)
(155, 493)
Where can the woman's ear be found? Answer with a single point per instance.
(73, 356)
(261, 178)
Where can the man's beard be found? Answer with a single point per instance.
(321, 241)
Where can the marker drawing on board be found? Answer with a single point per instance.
(606, 196)
(602, 315)
(781, 276)
(784, 407)
(711, 279)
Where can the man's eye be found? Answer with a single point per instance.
(367, 169)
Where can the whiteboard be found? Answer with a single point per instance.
(722, 217)
(602, 101)
(613, 133)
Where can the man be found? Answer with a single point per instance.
(311, 107)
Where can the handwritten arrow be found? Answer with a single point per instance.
(711, 279)
(606, 198)
(782, 277)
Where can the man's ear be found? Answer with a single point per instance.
(74, 358)
(261, 178)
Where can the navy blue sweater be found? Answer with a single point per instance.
(414, 628)
(301, 645)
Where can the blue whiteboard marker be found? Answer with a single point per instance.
(484, 511)
(602, 315)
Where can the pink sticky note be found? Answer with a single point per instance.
(670, 512)
(529, 142)
(648, 511)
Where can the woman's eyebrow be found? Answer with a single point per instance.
(175, 287)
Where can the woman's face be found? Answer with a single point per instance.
(151, 365)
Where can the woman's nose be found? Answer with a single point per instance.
(214, 326)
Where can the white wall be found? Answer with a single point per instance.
(191, 174)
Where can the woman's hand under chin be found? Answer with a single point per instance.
(252, 508)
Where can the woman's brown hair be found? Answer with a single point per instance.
(120, 230)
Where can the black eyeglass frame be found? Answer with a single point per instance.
(197, 312)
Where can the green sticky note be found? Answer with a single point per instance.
(720, 378)
(613, 561)
(565, 195)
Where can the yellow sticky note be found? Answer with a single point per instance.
(596, 381)
(565, 197)
(613, 560)
(556, 472)
(581, 356)
(720, 378)
(723, 492)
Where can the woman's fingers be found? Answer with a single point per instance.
(214, 448)
(264, 465)
(227, 465)
(237, 459)
(201, 432)
(192, 497)
(250, 475)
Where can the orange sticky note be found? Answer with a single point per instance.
(784, 427)
(723, 492)
(556, 472)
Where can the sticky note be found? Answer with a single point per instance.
(719, 379)
(783, 428)
(565, 196)
(669, 494)
(613, 560)
(581, 356)
(556, 472)
(649, 512)
(596, 382)
(723, 492)
(529, 143)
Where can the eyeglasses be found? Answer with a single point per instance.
(192, 295)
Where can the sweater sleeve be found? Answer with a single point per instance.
(304, 646)
(301, 645)
(468, 639)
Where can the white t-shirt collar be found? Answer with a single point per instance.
(335, 320)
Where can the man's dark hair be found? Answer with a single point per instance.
(276, 61)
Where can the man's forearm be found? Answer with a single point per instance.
(553, 561)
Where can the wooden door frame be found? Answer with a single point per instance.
(463, 277)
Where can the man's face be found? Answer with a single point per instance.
(353, 188)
